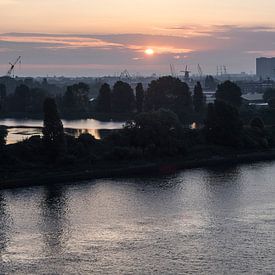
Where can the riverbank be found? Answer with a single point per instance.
(168, 166)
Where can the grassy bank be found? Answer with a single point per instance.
(168, 166)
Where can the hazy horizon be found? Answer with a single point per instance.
(105, 37)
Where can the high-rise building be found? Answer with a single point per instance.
(265, 67)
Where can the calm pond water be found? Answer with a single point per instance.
(203, 221)
(74, 127)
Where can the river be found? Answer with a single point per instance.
(202, 221)
(24, 128)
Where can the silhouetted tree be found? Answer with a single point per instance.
(223, 125)
(198, 98)
(76, 99)
(36, 100)
(139, 97)
(230, 93)
(257, 122)
(170, 93)
(103, 102)
(3, 135)
(210, 82)
(53, 132)
(123, 99)
(154, 133)
(269, 95)
(3, 95)
(19, 101)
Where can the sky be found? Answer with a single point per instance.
(104, 37)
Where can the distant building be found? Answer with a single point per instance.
(255, 86)
(265, 67)
(254, 99)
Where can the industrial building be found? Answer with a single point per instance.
(265, 68)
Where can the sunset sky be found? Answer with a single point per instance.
(97, 37)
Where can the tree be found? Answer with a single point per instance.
(156, 133)
(223, 125)
(76, 99)
(3, 95)
(269, 95)
(257, 122)
(139, 97)
(20, 99)
(230, 93)
(198, 98)
(123, 99)
(103, 102)
(53, 132)
(210, 82)
(3, 135)
(170, 93)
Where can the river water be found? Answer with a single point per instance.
(24, 128)
(202, 221)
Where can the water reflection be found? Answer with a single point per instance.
(77, 132)
(54, 223)
(20, 129)
(4, 225)
(208, 221)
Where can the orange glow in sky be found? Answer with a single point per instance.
(84, 37)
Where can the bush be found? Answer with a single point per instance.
(124, 153)
(3, 136)
(257, 123)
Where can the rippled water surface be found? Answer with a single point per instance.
(218, 221)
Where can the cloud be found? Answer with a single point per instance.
(233, 45)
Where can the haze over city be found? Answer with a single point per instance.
(93, 38)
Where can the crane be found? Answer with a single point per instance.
(200, 71)
(172, 70)
(12, 66)
(125, 75)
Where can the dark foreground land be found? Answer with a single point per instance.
(155, 142)
(51, 175)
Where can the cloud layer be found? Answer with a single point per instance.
(231, 45)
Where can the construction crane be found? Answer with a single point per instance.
(172, 70)
(200, 71)
(224, 70)
(12, 66)
(125, 75)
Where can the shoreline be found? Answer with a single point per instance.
(147, 169)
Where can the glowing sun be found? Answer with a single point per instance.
(149, 51)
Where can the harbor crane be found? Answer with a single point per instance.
(200, 71)
(172, 70)
(12, 66)
(125, 75)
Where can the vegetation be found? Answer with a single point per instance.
(104, 99)
(123, 98)
(198, 98)
(223, 124)
(230, 93)
(139, 97)
(156, 131)
(53, 132)
(3, 135)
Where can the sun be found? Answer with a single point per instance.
(149, 51)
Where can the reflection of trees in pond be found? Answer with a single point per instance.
(77, 132)
(54, 224)
(96, 133)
